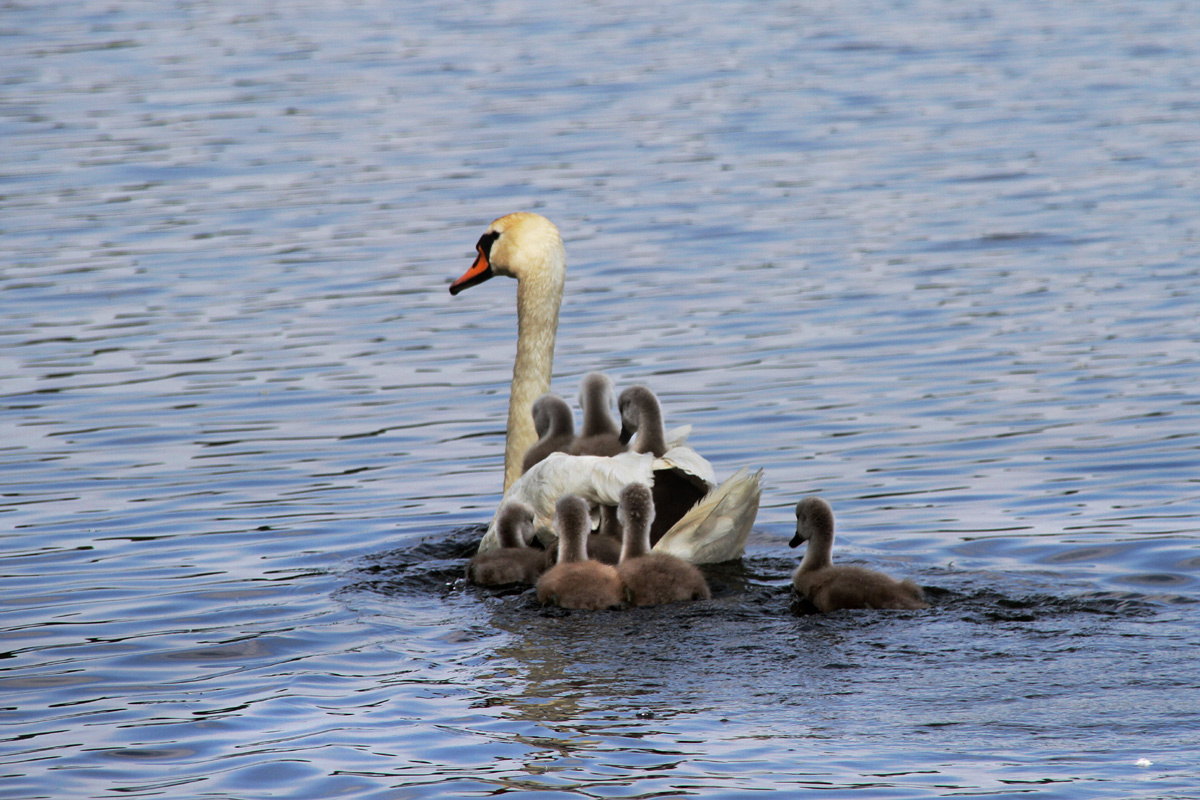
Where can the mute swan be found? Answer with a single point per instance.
(526, 247)
(600, 436)
(555, 428)
(651, 579)
(513, 562)
(529, 248)
(830, 588)
(576, 582)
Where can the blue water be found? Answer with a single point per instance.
(935, 261)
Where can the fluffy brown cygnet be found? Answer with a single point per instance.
(642, 415)
(600, 547)
(674, 494)
(600, 435)
(555, 428)
(576, 582)
(514, 562)
(604, 548)
(651, 579)
(830, 587)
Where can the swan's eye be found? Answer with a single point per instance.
(486, 241)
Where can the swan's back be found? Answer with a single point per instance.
(597, 480)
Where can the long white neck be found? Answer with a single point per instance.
(539, 296)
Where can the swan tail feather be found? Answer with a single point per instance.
(715, 529)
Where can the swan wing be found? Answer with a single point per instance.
(597, 479)
(715, 529)
(677, 437)
(687, 461)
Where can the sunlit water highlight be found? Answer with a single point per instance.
(935, 261)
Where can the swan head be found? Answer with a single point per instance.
(522, 246)
(814, 517)
(514, 526)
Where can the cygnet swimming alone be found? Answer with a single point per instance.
(555, 428)
(675, 493)
(514, 562)
(652, 579)
(576, 582)
(830, 587)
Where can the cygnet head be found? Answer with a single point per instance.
(596, 395)
(640, 414)
(521, 245)
(572, 522)
(514, 526)
(636, 514)
(552, 415)
(636, 507)
(814, 519)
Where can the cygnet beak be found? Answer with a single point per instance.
(798, 539)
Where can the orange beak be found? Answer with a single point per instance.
(479, 272)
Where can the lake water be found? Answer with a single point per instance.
(936, 261)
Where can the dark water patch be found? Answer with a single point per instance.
(1020, 240)
(987, 177)
(435, 566)
(1155, 580)
(148, 753)
(988, 606)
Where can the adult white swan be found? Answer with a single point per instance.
(529, 248)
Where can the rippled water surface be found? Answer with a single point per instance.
(938, 262)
